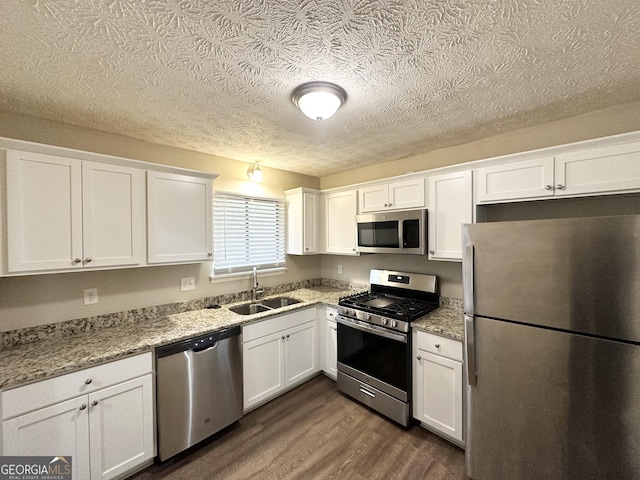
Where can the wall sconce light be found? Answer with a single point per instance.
(319, 100)
(255, 172)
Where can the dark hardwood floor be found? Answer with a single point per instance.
(314, 432)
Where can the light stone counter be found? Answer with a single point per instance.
(74, 351)
(446, 322)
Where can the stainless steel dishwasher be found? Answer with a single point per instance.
(198, 389)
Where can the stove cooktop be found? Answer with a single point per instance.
(391, 306)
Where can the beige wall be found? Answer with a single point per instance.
(42, 299)
(601, 123)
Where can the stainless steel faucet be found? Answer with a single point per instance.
(255, 290)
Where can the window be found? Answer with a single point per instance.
(247, 232)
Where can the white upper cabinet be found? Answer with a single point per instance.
(450, 205)
(398, 195)
(64, 213)
(340, 223)
(178, 218)
(512, 181)
(303, 220)
(605, 170)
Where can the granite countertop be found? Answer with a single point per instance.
(446, 322)
(55, 356)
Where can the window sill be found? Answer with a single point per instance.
(228, 277)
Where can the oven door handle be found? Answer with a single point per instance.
(365, 327)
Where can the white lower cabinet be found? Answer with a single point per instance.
(278, 353)
(107, 430)
(329, 343)
(437, 385)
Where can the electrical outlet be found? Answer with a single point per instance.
(90, 296)
(339, 269)
(187, 283)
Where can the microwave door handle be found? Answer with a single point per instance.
(401, 233)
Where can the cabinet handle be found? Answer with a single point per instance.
(88, 381)
(437, 345)
(94, 403)
(209, 254)
(83, 406)
(560, 186)
(432, 252)
(88, 260)
(77, 260)
(419, 357)
(548, 187)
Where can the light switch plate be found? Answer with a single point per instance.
(187, 283)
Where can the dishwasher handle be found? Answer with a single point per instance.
(198, 344)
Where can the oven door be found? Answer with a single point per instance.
(374, 355)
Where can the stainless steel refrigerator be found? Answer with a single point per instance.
(552, 327)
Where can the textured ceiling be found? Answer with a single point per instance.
(216, 76)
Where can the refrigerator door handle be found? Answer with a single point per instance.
(467, 279)
(470, 348)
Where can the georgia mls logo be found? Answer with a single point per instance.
(35, 468)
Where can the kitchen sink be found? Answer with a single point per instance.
(278, 302)
(264, 305)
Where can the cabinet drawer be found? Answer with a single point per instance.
(53, 390)
(277, 324)
(438, 345)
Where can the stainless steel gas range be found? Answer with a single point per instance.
(374, 340)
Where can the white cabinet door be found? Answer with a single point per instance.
(121, 427)
(44, 212)
(439, 394)
(373, 199)
(510, 181)
(407, 194)
(450, 205)
(399, 195)
(301, 359)
(113, 215)
(178, 218)
(60, 430)
(310, 222)
(263, 368)
(340, 223)
(331, 350)
(608, 169)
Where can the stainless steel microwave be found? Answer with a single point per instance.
(393, 232)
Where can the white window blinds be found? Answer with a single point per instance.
(247, 232)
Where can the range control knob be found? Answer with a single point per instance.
(393, 324)
(384, 321)
(367, 316)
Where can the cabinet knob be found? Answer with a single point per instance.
(88, 260)
(94, 403)
(437, 345)
(419, 357)
(282, 338)
(560, 186)
(83, 406)
(390, 204)
(548, 187)
(386, 204)
(77, 260)
(432, 252)
(287, 336)
(88, 381)
(209, 254)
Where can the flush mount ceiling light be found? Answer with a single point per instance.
(255, 172)
(319, 100)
